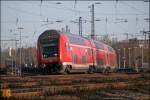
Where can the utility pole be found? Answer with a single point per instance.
(106, 24)
(127, 35)
(20, 28)
(92, 24)
(145, 33)
(119, 58)
(11, 57)
(66, 28)
(142, 56)
(63, 30)
(149, 47)
(80, 26)
(141, 46)
(15, 55)
(135, 57)
(124, 61)
(129, 57)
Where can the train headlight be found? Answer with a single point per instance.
(56, 54)
(44, 56)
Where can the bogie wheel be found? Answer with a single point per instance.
(107, 70)
(67, 70)
(91, 70)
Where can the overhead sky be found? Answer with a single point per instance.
(35, 17)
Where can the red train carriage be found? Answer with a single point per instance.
(78, 52)
(59, 52)
(105, 57)
(101, 56)
(111, 57)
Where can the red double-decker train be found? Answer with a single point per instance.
(65, 53)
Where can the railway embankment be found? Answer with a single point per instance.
(76, 86)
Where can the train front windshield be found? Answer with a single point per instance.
(50, 50)
(50, 45)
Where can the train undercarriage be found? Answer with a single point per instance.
(59, 68)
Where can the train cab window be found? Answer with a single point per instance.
(50, 51)
(50, 47)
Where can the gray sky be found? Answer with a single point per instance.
(31, 16)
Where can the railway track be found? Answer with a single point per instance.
(73, 86)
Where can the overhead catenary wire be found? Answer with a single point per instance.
(134, 8)
(65, 8)
(29, 13)
(86, 12)
(36, 14)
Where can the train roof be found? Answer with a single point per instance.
(45, 33)
(68, 34)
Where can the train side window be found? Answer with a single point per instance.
(74, 58)
(89, 51)
(100, 61)
(111, 63)
(84, 59)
